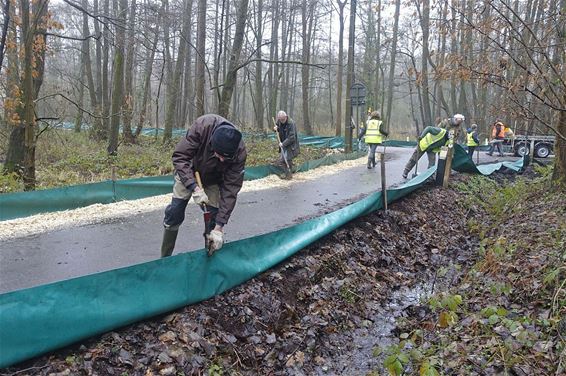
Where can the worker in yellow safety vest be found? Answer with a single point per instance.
(432, 139)
(373, 135)
(472, 140)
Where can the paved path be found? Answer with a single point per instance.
(67, 253)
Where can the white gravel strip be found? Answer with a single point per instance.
(97, 213)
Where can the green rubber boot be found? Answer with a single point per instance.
(169, 239)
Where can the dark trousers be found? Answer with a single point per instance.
(417, 154)
(281, 163)
(471, 150)
(495, 144)
(371, 153)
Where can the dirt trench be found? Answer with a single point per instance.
(320, 312)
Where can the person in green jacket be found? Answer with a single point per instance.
(432, 139)
(373, 135)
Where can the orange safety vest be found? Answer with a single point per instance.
(498, 134)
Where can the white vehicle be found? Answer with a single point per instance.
(521, 145)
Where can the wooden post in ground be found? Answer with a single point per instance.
(383, 181)
(441, 166)
(448, 167)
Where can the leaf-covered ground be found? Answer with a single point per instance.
(487, 264)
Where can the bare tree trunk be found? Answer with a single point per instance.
(15, 153)
(98, 54)
(173, 86)
(33, 42)
(307, 10)
(118, 79)
(425, 21)
(147, 77)
(79, 116)
(188, 100)
(128, 78)
(559, 173)
(216, 54)
(97, 130)
(340, 74)
(273, 71)
(230, 80)
(392, 64)
(201, 45)
(258, 68)
(28, 108)
(350, 77)
(105, 84)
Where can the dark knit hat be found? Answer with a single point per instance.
(225, 140)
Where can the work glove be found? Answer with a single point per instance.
(199, 196)
(215, 241)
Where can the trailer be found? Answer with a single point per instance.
(522, 145)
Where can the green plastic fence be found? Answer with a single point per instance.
(36, 320)
(43, 318)
(21, 204)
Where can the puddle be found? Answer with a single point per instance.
(357, 357)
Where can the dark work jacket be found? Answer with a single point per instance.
(194, 153)
(289, 137)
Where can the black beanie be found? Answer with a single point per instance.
(225, 140)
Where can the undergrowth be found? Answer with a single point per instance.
(508, 314)
(68, 158)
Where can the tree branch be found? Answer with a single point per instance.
(73, 103)
(94, 36)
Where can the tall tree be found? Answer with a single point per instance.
(97, 130)
(350, 76)
(340, 73)
(307, 17)
(391, 80)
(233, 67)
(118, 78)
(173, 86)
(258, 67)
(425, 26)
(201, 45)
(128, 106)
(33, 25)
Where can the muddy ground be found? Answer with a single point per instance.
(329, 310)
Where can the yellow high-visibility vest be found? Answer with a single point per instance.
(430, 139)
(373, 135)
(470, 138)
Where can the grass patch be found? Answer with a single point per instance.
(69, 158)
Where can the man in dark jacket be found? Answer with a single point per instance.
(289, 141)
(214, 148)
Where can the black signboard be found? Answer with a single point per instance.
(358, 94)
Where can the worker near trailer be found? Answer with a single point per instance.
(432, 139)
(497, 137)
(288, 144)
(472, 140)
(373, 135)
(214, 148)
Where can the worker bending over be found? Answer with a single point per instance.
(214, 148)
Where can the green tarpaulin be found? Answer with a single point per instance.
(43, 318)
(22, 204)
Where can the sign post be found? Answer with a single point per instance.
(358, 94)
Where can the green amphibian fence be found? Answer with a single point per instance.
(44, 318)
